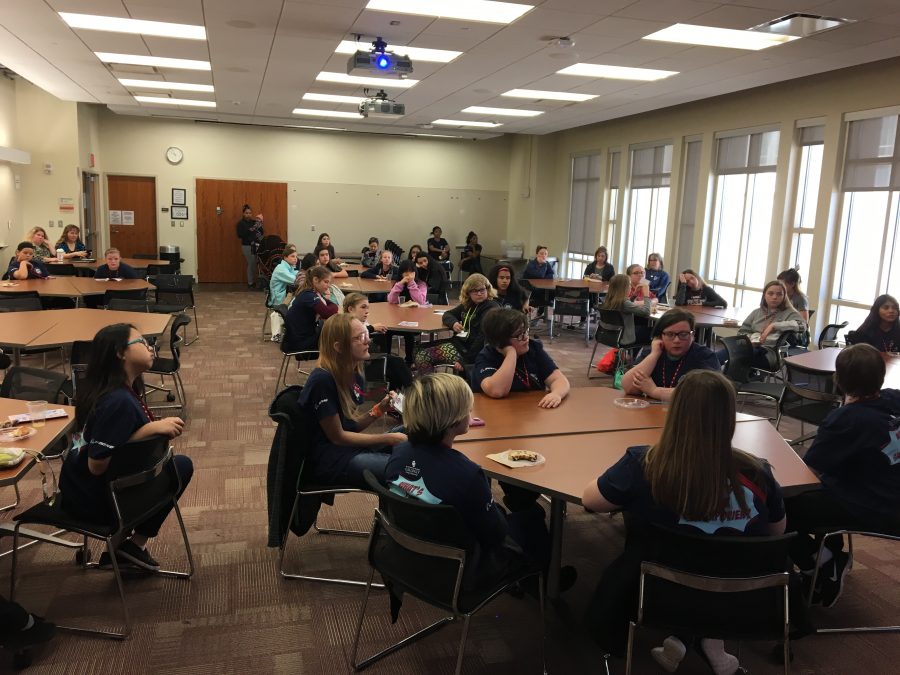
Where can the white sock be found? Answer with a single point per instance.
(720, 661)
(30, 623)
(671, 653)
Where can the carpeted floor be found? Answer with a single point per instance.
(237, 616)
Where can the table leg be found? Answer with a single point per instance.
(16, 356)
(557, 517)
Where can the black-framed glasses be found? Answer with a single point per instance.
(483, 289)
(681, 335)
(521, 337)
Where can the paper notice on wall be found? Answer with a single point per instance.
(66, 205)
(115, 217)
(128, 217)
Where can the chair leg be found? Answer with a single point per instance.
(187, 549)
(362, 611)
(630, 648)
(462, 644)
(541, 608)
(15, 503)
(282, 375)
(591, 362)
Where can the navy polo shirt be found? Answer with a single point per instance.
(124, 272)
(532, 368)
(668, 371)
(442, 475)
(38, 269)
(625, 485)
(117, 415)
(857, 452)
(319, 400)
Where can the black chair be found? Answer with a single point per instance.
(61, 269)
(154, 270)
(436, 299)
(717, 587)
(291, 445)
(142, 479)
(539, 298)
(852, 337)
(268, 310)
(809, 396)
(78, 358)
(352, 273)
(170, 367)
(426, 551)
(304, 355)
(136, 294)
(27, 301)
(175, 293)
(829, 334)
(609, 337)
(127, 305)
(739, 370)
(572, 302)
(145, 256)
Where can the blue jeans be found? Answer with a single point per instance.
(376, 462)
(251, 264)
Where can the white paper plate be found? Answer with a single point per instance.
(17, 433)
(503, 458)
(632, 403)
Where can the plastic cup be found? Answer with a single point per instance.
(37, 410)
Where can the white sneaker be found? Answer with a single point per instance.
(721, 662)
(276, 338)
(669, 656)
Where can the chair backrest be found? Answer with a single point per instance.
(32, 384)
(572, 301)
(20, 294)
(852, 337)
(616, 322)
(174, 289)
(177, 337)
(81, 352)
(145, 256)
(828, 336)
(736, 586)
(21, 302)
(809, 384)
(142, 479)
(127, 305)
(740, 358)
(131, 294)
(61, 269)
(153, 270)
(436, 298)
(419, 547)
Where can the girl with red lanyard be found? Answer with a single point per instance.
(111, 412)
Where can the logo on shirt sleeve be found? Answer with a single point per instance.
(891, 449)
(413, 488)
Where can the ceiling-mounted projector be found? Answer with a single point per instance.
(379, 105)
(380, 61)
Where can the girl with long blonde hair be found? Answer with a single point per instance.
(634, 316)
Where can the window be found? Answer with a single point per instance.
(870, 219)
(742, 215)
(811, 150)
(651, 172)
(612, 202)
(583, 214)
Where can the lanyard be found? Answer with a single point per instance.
(467, 317)
(142, 404)
(523, 377)
(674, 375)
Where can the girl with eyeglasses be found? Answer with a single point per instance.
(657, 276)
(672, 355)
(397, 372)
(331, 399)
(510, 361)
(476, 299)
(110, 412)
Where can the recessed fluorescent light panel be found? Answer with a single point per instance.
(467, 10)
(431, 135)
(549, 95)
(158, 84)
(134, 26)
(616, 72)
(466, 123)
(310, 112)
(341, 78)
(708, 36)
(509, 112)
(333, 98)
(416, 53)
(303, 126)
(154, 61)
(175, 101)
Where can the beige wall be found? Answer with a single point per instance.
(10, 224)
(335, 180)
(48, 129)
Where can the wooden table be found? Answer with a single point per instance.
(132, 262)
(83, 324)
(594, 285)
(18, 329)
(46, 437)
(823, 361)
(52, 287)
(353, 267)
(89, 286)
(391, 315)
(371, 286)
(572, 460)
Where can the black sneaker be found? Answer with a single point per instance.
(42, 631)
(130, 554)
(831, 578)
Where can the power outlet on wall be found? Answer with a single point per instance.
(312, 228)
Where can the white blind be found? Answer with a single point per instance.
(747, 153)
(614, 169)
(651, 167)
(584, 203)
(872, 161)
(812, 135)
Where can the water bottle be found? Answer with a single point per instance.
(60, 255)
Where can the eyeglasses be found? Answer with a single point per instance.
(479, 290)
(362, 338)
(139, 340)
(521, 337)
(681, 335)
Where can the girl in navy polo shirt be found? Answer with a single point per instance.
(310, 306)
(111, 413)
(339, 451)
(509, 293)
(511, 362)
(881, 329)
(672, 355)
(692, 290)
(657, 276)
(692, 479)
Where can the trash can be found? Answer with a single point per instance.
(173, 255)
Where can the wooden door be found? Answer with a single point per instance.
(133, 194)
(219, 208)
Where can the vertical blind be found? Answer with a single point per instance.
(873, 155)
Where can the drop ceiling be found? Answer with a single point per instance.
(266, 54)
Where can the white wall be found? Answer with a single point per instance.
(10, 224)
(462, 181)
